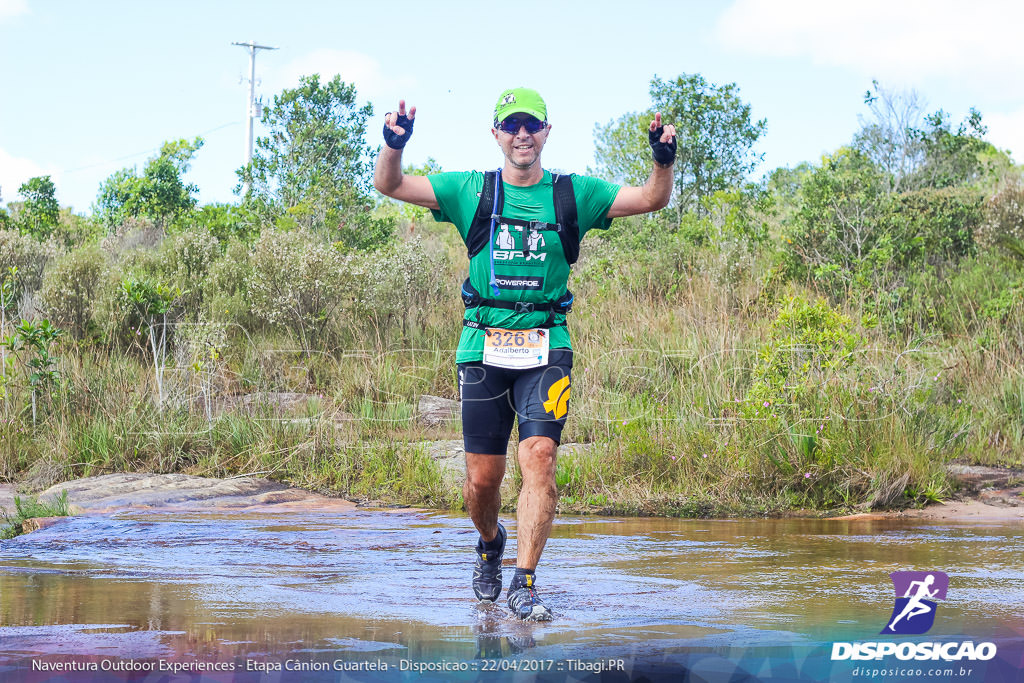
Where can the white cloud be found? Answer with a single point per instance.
(12, 8)
(902, 41)
(14, 171)
(353, 67)
(1006, 131)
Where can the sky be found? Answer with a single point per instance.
(89, 88)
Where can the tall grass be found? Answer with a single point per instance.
(668, 338)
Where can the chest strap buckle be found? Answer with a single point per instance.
(524, 307)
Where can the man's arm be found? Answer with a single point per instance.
(387, 175)
(656, 192)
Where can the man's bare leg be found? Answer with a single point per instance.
(482, 491)
(482, 494)
(537, 499)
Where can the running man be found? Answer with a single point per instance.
(914, 606)
(514, 356)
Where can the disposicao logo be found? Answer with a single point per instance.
(914, 614)
(916, 593)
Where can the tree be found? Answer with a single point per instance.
(159, 193)
(951, 158)
(889, 140)
(153, 302)
(715, 135)
(39, 214)
(411, 212)
(314, 169)
(917, 151)
(837, 223)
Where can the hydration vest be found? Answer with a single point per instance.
(566, 221)
(478, 238)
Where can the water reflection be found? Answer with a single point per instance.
(226, 585)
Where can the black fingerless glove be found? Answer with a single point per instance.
(393, 139)
(664, 152)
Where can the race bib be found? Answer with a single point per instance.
(516, 349)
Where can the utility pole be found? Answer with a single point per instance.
(251, 113)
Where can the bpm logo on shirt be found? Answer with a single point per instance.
(916, 593)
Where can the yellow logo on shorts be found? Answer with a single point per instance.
(558, 398)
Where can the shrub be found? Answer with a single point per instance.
(837, 224)
(184, 261)
(132, 235)
(226, 222)
(398, 280)
(301, 283)
(75, 230)
(27, 255)
(933, 226)
(226, 285)
(809, 343)
(71, 287)
(1003, 216)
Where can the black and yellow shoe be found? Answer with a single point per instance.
(524, 601)
(487, 571)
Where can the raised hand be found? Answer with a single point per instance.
(398, 126)
(663, 141)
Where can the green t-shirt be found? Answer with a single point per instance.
(528, 265)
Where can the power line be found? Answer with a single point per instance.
(138, 154)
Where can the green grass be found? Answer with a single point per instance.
(28, 509)
(661, 398)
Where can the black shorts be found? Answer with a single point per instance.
(493, 397)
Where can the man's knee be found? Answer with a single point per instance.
(537, 457)
(484, 472)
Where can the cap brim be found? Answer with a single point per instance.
(532, 112)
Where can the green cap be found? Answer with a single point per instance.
(520, 101)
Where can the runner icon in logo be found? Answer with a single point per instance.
(505, 240)
(914, 612)
(534, 240)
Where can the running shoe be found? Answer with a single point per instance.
(487, 571)
(525, 603)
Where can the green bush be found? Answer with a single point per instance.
(184, 261)
(226, 286)
(28, 256)
(836, 225)
(932, 226)
(398, 281)
(226, 222)
(302, 284)
(71, 288)
(809, 345)
(1003, 216)
(74, 230)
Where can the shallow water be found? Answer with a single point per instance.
(261, 589)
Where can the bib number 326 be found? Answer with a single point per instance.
(516, 349)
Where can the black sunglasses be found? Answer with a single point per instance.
(512, 124)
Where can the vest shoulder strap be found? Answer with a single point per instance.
(480, 229)
(567, 218)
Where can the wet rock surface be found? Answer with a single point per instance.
(990, 492)
(138, 490)
(995, 486)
